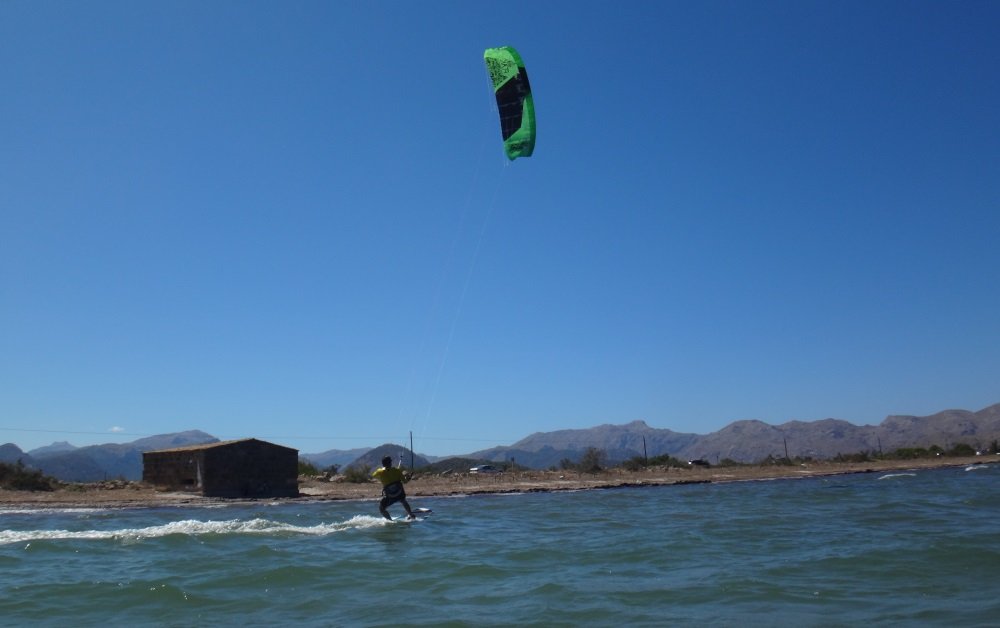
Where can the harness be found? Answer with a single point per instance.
(393, 491)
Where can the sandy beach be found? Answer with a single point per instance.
(118, 494)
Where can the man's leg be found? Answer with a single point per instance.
(381, 508)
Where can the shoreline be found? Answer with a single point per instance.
(118, 495)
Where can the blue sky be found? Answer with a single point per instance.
(294, 221)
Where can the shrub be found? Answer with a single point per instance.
(635, 463)
(358, 475)
(774, 461)
(961, 449)
(861, 456)
(17, 477)
(307, 468)
(910, 453)
(666, 460)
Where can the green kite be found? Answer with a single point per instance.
(514, 102)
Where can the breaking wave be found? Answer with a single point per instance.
(193, 527)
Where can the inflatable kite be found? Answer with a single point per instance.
(514, 102)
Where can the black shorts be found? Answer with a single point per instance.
(393, 493)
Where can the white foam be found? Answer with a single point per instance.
(889, 476)
(193, 527)
(50, 511)
(976, 466)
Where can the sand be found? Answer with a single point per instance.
(136, 494)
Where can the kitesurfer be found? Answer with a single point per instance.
(392, 479)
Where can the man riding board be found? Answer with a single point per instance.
(392, 479)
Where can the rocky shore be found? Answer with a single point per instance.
(119, 494)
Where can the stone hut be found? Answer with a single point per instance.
(236, 468)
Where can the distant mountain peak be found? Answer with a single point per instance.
(111, 460)
(638, 424)
(55, 448)
(11, 453)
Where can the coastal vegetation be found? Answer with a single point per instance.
(958, 450)
(358, 474)
(18, 477)
(637, 463)
(594, 460)
(307, 468)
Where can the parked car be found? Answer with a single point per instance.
(484, 468)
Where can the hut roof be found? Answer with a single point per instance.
(223, 443)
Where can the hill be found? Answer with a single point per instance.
(54, 448)
(339, 457)
(741, 441)
(752, 440)
(110, 461)
(455, 464)
(945, 428)
(373, 457)
(11, 454)
(543, 450)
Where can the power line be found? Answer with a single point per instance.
(271, 436)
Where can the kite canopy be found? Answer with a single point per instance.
(514, 102)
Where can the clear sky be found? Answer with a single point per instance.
(294, 220)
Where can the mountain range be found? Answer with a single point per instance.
(741, 441)
(95, 463)
(751, 440)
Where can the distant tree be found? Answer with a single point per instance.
(332, 469)
(592, 460)
(961, 449)
(567, 465)
(307, 468)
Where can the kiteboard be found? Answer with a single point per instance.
(420, 513)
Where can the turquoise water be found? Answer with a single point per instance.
(920, 548)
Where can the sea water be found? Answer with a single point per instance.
(910, 548)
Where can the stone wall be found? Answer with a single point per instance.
(244, 468)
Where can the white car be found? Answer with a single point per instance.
(485, 468)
